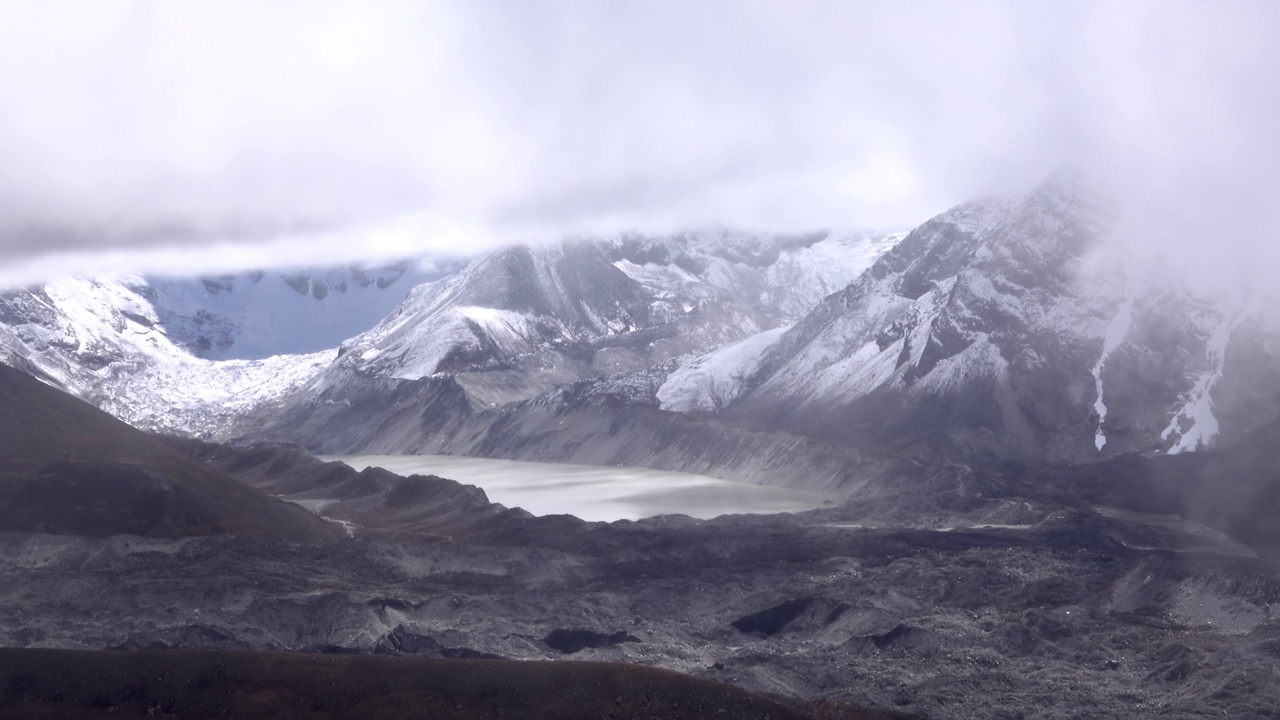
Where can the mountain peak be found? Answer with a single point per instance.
(1040, 239)
(981, 330)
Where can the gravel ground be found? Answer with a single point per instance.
(1048, 615)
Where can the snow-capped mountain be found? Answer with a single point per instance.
(1004, 327)
(523, 320)
(1001, 327)
(219, 356)
(142, 348)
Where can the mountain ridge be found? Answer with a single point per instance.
(1001, 328)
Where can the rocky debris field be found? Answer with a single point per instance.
(1046, 613)
(939, 589)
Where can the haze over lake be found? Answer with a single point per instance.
(594, 492)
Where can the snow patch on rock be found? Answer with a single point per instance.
(1194, 425)
(1117, 331)
(101, 339)
(712, 381)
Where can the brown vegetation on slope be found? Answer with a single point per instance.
(68, 468)
(199, 684)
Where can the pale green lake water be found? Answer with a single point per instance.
(594, 492)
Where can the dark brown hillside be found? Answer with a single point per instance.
(194, 684)
(68, 468)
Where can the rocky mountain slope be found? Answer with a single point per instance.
(1005, 327)
(523, 320)
(1001, 328)
(210, 356)
(521, 323)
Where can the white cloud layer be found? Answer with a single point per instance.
(194, 135)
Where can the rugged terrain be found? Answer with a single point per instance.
(985, 600)
(1014, 328)
(1001, 329)
(1010, 329)
(228, 356)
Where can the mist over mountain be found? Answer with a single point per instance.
(985, 330)
(989, 331)
(217, 145)
(1015, 328)
(200, 355)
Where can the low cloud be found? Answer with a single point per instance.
(181, 137)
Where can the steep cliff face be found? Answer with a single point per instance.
(518, 329)
(523, 320)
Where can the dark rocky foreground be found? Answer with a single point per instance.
(205, 684)
(1063, 614)
(68, 468)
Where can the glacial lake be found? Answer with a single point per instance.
(595, 492)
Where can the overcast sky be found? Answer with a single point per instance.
(193, 136)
